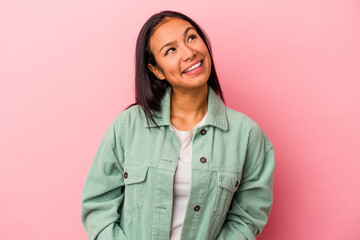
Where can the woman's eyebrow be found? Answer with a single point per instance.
(173, 42)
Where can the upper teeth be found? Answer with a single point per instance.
(193, 67)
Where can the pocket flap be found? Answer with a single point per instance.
(135, 174)
(229, 180)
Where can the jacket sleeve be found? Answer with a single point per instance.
(102, 193)
(252, 202)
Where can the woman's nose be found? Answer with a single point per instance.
(188, 53)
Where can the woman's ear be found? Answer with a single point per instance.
(155, 70)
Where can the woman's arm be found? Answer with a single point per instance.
(252, 202)
(102, 193)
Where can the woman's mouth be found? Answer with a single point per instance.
(194, 69)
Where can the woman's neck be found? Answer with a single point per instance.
(189, 106)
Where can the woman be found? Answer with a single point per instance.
(178, 162)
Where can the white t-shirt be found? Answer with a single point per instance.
(182, 179)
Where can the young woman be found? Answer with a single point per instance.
(178, 164)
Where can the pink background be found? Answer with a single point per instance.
(66, 71)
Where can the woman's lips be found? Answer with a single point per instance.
(196, 70)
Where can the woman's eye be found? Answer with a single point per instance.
(192, 37)
(168, 51)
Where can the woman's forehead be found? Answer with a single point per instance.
(169, 29)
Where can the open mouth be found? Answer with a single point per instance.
(193, 67)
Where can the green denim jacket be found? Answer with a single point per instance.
(128, 193)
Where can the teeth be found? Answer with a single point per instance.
(193, 67)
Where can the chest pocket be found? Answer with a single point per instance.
(227, 184)
(135, 181)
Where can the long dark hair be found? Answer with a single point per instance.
(148, 89)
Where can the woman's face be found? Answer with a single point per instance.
(182, 56)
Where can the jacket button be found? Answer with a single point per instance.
(197, 208)
(125, 175)
(203, 131)
(237, 183)
(203, 160)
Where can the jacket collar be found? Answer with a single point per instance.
(216, 111)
